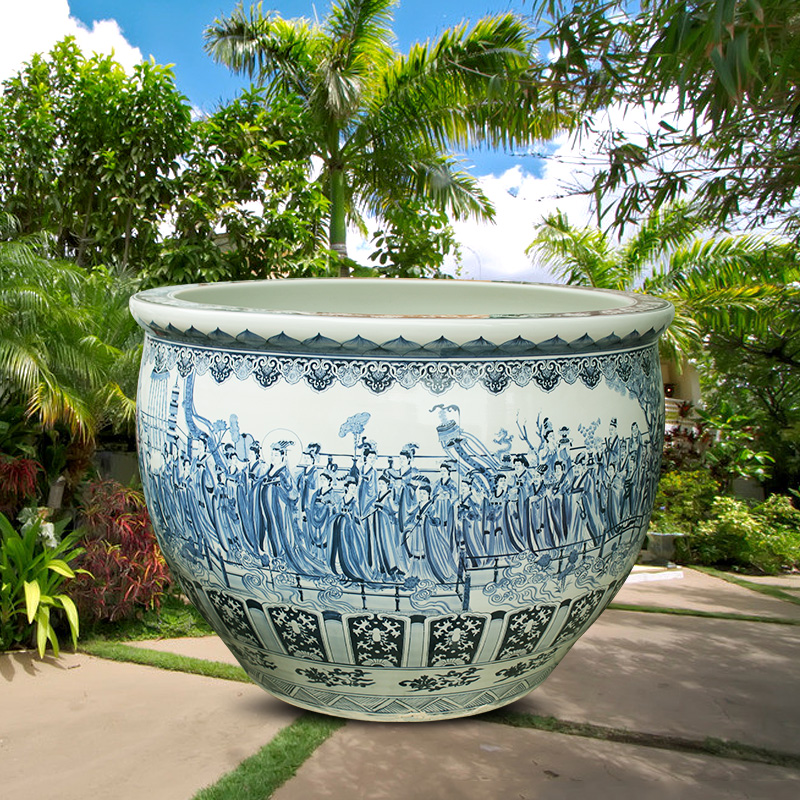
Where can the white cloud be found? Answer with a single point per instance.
(497, 251)
(106, 38)
(34, 26)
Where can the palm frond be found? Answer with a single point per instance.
(661, 232)
(470, 87)
(389, 177)
(119, 407)
(53, 402)
(275, 51)
(66, 332)
(361, 31)
(683, 338)
(737, 284)
(338, 92)
(21, 364)
(9, 226)
(577, 256)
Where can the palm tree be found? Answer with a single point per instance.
(69, 351)
(714, 283)
(381, 122)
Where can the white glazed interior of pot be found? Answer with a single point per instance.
(381, 310)
(407, 298)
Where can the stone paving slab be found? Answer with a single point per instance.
(469, 759)
(696, 591)
(684, 676)
(81, 727)
(105, 729)
(659, 673)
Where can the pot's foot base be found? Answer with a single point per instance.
(430, 704)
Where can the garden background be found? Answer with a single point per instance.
(343, 154)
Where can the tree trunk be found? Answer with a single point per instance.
(83, 240)
(128, 232)
(337, 238)
(338, 224)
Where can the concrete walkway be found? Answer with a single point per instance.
(82, 727)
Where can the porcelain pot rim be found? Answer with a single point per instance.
(249, 313)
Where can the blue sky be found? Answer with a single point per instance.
(171, 31)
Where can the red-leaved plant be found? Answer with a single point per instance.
(127, 571)
(18, 482)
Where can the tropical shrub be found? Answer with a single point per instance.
(683, 500)
(764, 537)
(35, 562)
(685, 443)
(125, 571)
(732, 451)
(17, 434)
(18, 482)
(22, 437)
(70, 350)
(245, 206)
(760, 376)
(413, 242)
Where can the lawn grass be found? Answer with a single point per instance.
(174, 619)
(259, 776)
(117, 651)
(720, 748)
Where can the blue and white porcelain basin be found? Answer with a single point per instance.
(399, 499)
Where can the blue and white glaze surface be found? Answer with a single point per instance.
(390, 536)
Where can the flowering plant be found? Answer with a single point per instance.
(34, 563)
(46, 531)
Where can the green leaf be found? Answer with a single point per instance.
(43, 630)
(6, 528)
(61, 567)
(71, 610)
(33, 593)
(15, 551)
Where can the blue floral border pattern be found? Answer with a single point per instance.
(620, 369)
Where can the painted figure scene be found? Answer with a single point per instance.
(366, 516)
